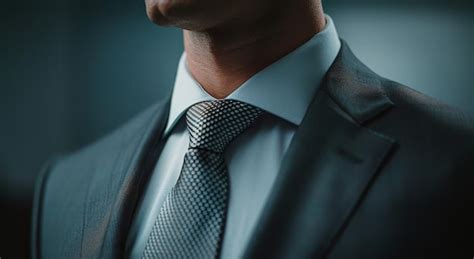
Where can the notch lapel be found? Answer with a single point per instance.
(113, 191)
(328, 167)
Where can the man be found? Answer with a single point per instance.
(276, 142)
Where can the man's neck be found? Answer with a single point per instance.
(221, 59)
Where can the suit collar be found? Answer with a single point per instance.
(328, 168)
(355, 88)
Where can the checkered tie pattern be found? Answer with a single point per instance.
(191, 221)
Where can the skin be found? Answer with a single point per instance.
(227, 42)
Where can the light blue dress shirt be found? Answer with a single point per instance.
(284, 90)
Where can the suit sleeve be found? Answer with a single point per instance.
(39, 189)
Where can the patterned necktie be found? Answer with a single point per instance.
(191, 221)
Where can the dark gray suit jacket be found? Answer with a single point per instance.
(376, 170)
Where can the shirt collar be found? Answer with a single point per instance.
(284, 89)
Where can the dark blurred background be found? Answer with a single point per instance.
(71, 71)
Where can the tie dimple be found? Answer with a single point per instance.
(191, 221)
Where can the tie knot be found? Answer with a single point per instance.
(214, 124)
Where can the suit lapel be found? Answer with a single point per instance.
(329, 166)
(113, 193)
(138, 174)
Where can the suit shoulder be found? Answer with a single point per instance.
(428, 120)
(85, 181)
(427, 109)
(110, 147)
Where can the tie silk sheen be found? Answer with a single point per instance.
(191, 221)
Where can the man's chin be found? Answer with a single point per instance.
(165, 13)
(186, 22)
(155, 15)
